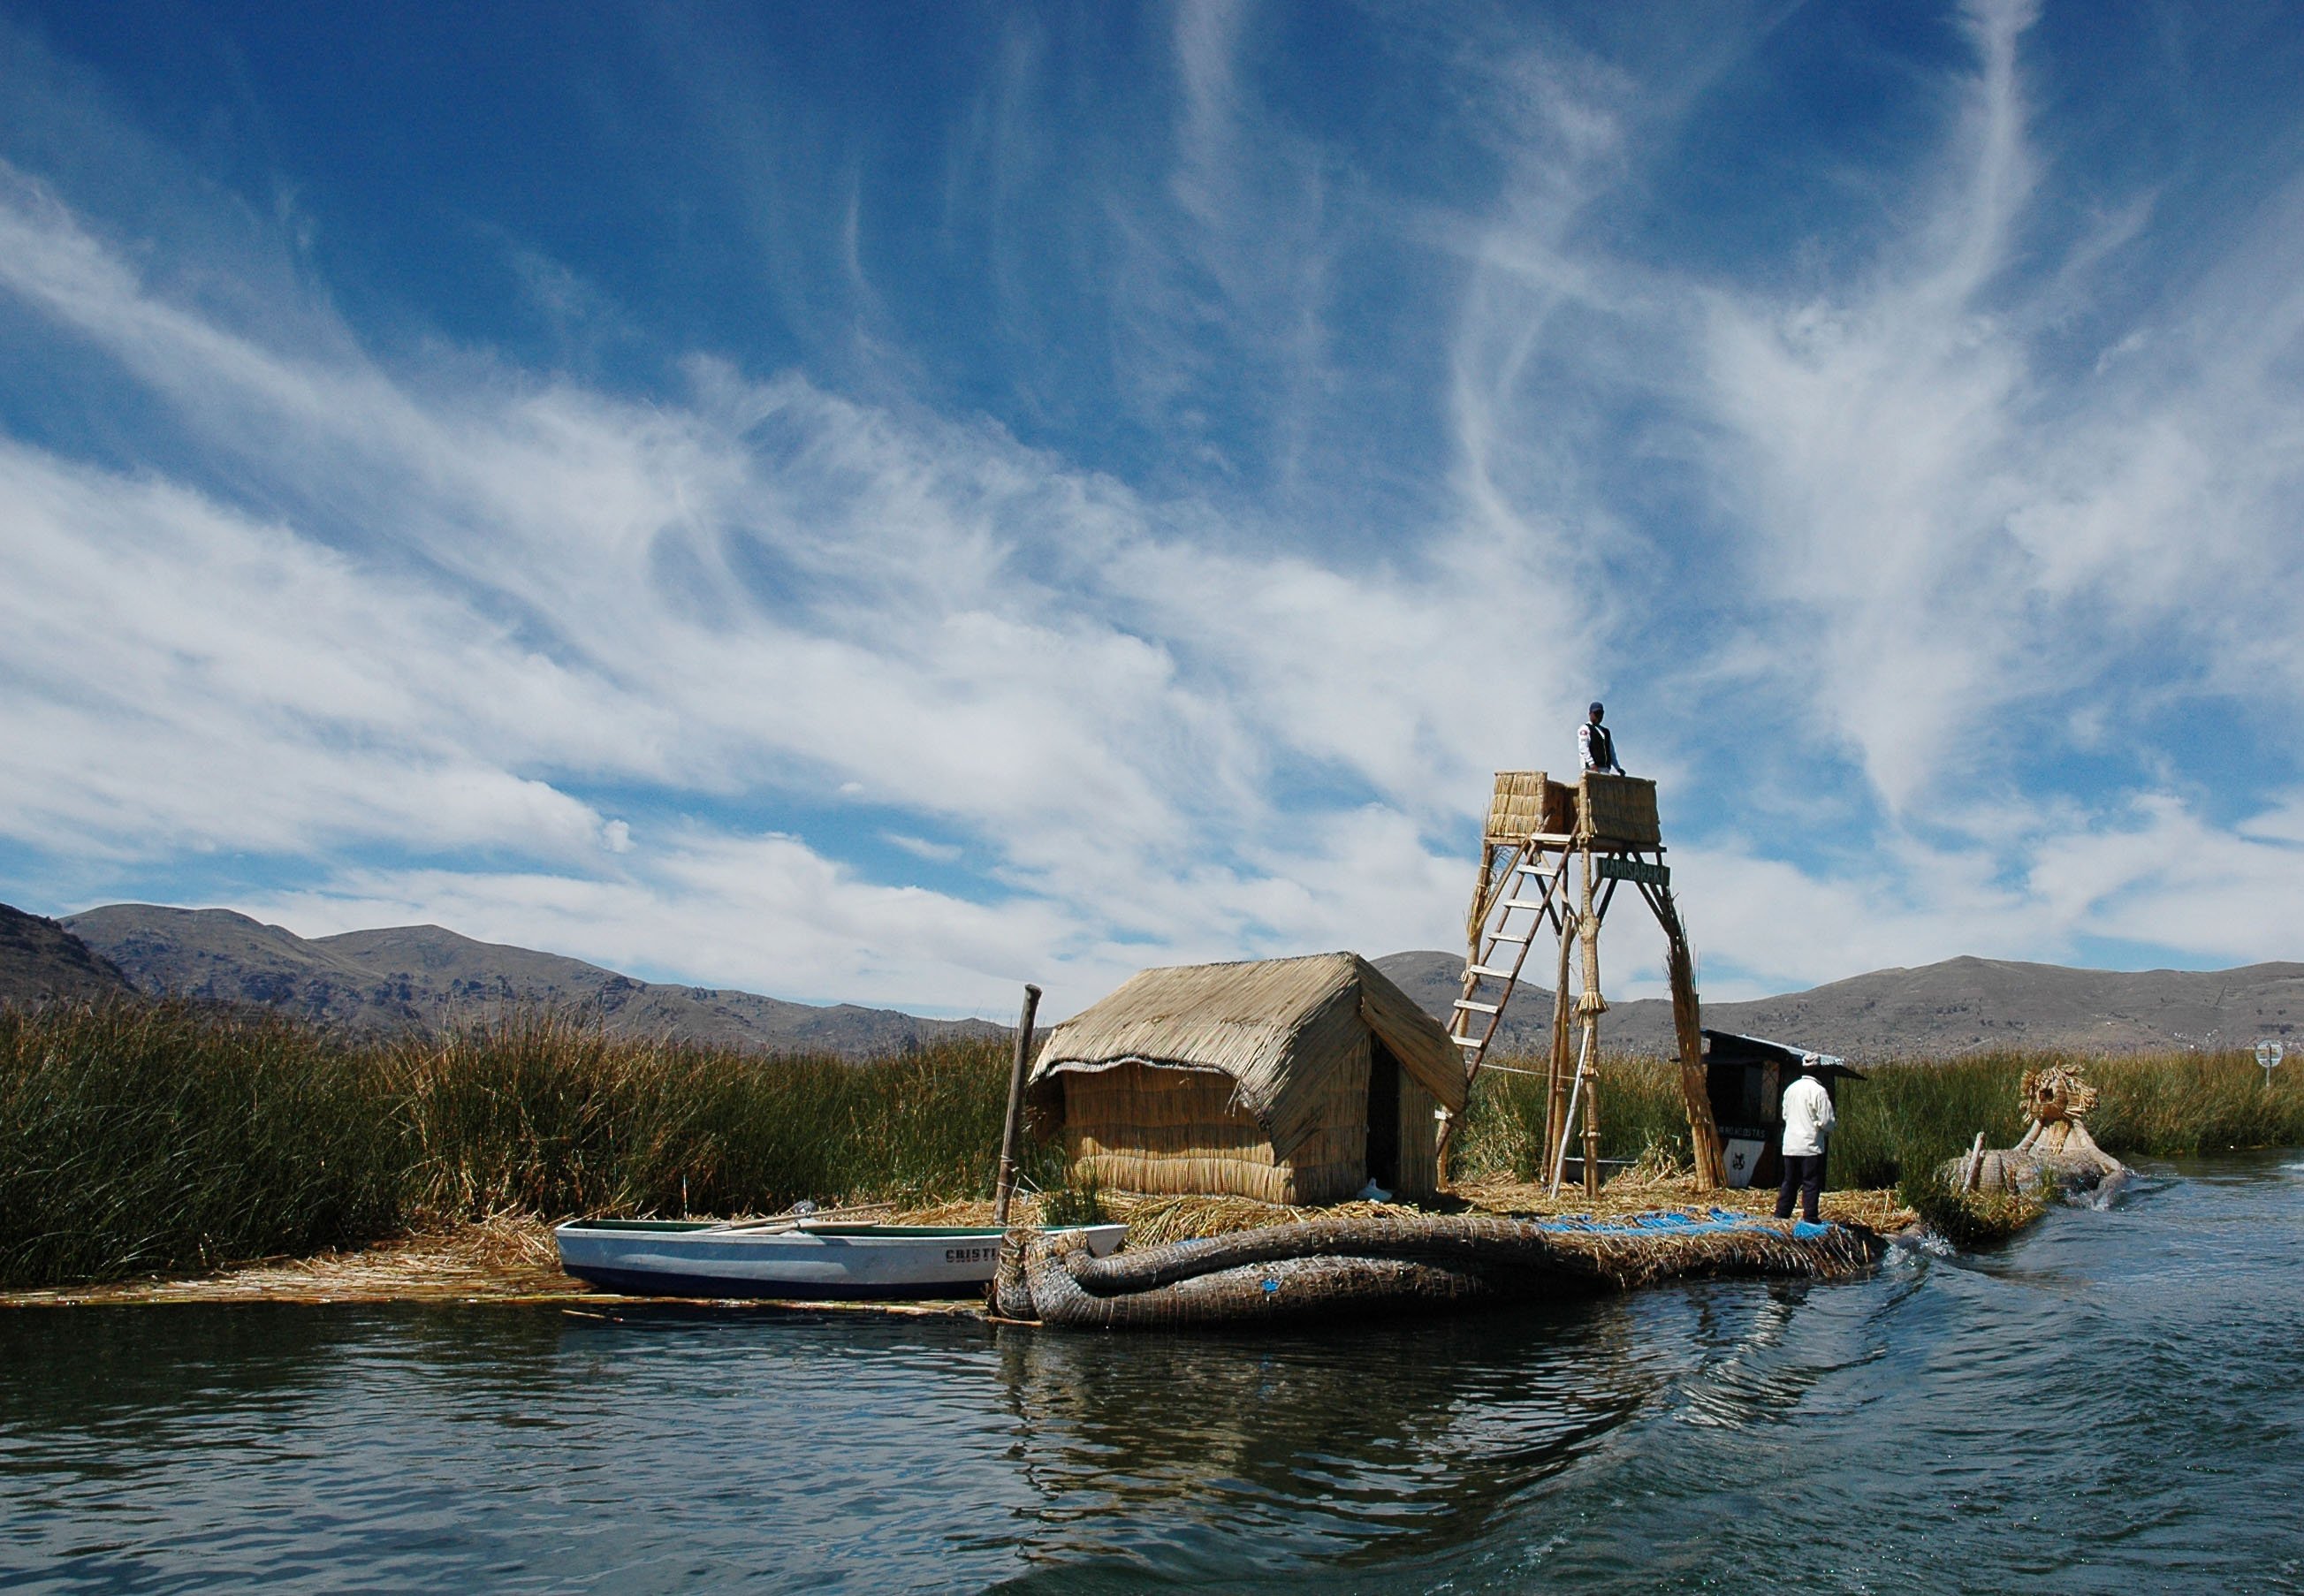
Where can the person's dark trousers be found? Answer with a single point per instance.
(1804, 1174)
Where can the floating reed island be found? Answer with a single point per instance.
(1306, 1080)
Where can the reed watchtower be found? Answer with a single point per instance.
(1552, 856)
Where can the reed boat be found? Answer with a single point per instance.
(804, 1260)
(1347, 1266)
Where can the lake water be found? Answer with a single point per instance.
(2112, 1404)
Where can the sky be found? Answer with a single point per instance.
(881, 504)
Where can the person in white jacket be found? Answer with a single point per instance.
(1595, 745)
(1808, 1126)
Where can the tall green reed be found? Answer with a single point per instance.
(1908, 1116)
(1504, 1129)
(174, 1137)
(140, 1139)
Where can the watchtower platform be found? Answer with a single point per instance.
(1552, 857)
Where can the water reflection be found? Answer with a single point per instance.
(1352, 1445)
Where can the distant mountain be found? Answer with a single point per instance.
(1963, 1005)
(40, 959)
(418, 977)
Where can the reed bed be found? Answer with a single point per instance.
(179, 1138)
(1909, 1116)
(1503, 1135)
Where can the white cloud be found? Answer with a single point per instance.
(769, 590)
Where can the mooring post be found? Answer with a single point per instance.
(1004, 1184)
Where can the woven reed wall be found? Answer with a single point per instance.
(1419, 1141)
(1527, 803)
(1619, 809)
(1141, 1128)
(1331, 1166)
(1248, 1078)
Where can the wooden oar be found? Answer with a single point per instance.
(793, 1220)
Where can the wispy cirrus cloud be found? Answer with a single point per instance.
(542, 591)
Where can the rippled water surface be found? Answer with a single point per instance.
(2112, 1404)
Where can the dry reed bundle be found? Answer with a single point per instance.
(1527, 804)
(504, 1257)
(1156, 1221)
(1628, 1194)
(1152, 1221)
(1620, 810)
(1392, 1264)
(968, 1212)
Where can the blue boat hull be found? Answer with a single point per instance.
(632, 1282)
(806, 1263)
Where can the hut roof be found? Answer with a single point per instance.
(1730, 1046)
(1269, 1024)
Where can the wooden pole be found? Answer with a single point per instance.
(1590, 1005)
(1560, 1160)
(1005, 1185)
(794, 1221)
(1563, 1046)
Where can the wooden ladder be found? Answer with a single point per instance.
(1523, 891)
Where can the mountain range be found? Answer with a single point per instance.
(1937, 1010)
(418, 977)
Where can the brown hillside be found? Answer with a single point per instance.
(40, 959)
(420, 977)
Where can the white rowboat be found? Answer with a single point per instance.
(807, 1260)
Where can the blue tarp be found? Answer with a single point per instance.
(1718, 1222)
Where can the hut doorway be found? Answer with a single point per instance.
(1384, 1117)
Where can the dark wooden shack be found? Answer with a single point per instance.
(1745, 1076)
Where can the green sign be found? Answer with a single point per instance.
(1614, 868)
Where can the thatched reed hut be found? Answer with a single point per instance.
(1289, 1080)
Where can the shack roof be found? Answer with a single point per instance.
(1274, 1025)
(1730, 1046)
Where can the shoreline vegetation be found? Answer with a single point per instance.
(175, 1138)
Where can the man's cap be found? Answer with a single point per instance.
(1596, 708)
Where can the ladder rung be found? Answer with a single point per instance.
(1513, 903)
(1489, 969)
(1517, 942)
(1476, 1008)
(1532, 870)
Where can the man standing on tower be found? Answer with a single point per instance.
(1595, 745)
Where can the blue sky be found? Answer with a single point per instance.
(883, 503)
